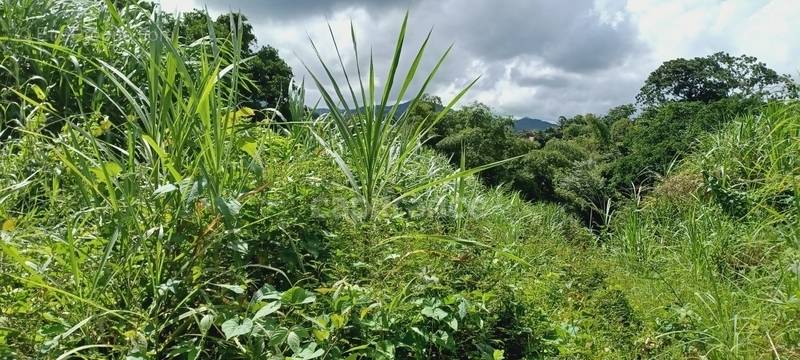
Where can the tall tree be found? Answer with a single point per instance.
(271, 77)
(483, 137)
(712, 78)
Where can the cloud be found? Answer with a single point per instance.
(535, 58)
(571, 35)
(686, 28)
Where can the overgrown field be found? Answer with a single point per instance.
(148, 212)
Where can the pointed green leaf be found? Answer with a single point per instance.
(267, 309)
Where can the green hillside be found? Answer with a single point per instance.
(152, 208)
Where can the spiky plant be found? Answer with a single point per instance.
(374, 139)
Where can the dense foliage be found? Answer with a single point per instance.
(591, 162)
(146, 214)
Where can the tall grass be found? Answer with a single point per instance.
(724, 250)
(159, 178)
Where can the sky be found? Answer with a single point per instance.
(541, 59)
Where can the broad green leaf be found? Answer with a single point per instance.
(206, 322)
(267, 309)
(310, 353)
(278, 336)
(297, 296)
(498, 354)
(250, 148)
(338, 321)
(166, 188)
(434, 312)
(418, 331)
(228, 208)
(233, 328)
(245, 112)
(235, 288)
(267, 292)
(293, 341)
(321, 335)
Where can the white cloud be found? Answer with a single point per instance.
(172, 6)
(686, 28)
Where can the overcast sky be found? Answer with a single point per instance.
(535, 58)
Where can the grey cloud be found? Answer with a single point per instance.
(572, 96)
(587, 45)
(567, 34)
(552, 81)
(491, 38)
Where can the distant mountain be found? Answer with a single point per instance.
(531, 124)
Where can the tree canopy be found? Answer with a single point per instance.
(712, 78)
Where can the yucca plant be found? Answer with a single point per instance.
(374, 140)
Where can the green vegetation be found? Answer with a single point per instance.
(267, 75)
(714, 251)
(166, 193)
(591, 163)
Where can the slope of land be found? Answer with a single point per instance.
(145, 215)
